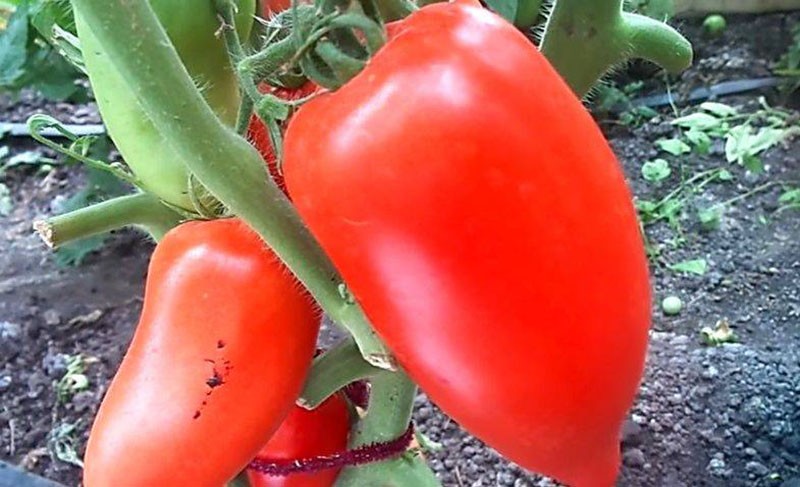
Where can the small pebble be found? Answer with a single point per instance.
(671, 305)
(633, 458)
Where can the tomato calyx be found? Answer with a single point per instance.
(327, 43)
(362, 455)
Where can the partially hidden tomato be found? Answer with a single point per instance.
(220, 354)
(307, 434)
(192, 27)
(258, 135)
(478, 215)
(271, 7)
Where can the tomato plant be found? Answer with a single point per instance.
(218, 358)
(304, 434)
(481, 241)
(455, 209)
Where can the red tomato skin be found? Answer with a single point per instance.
(258, 135)
(479, 216)
(305, 434)
(220, 354)
(269, 7)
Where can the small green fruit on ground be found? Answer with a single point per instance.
(714, 25)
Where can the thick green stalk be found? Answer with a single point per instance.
(333, 370)
(391, 401)
(240, 480)
(140, 210)
(392, 10)
(222, 161)
(583, 39)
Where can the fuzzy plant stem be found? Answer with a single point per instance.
(222, 161)
(139, 210)
(583, 39)
(332, 371)
(390, 392)
(240, 480)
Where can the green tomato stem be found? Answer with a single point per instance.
(240, 480)
(140, 210)
(391, 10)
(391, 401)
(333, 370)
(527, 13)
(583, 39)
(222, 161)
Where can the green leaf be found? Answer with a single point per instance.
(720, 334)
(720, 110)
(710, 218)
(699, 139)
(670, 210)
(752, 163)
(698, 121)
(743, 145)
(46, 14)
(26, 157)
(655, 171)
(14, 47)
(694, 266)
(790, 197)
(735, 142)
(724, 175)
(646, 210)
(676, 147)
(55, 78)
(504, 8)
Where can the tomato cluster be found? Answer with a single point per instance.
(477, 215)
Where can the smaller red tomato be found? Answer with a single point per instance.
(305, 434)
(271, 7)
(258, 135)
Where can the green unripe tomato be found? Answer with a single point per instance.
(191, 26)
(671, 305)
(714, 25)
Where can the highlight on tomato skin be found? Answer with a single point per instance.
(220, 354)
(496, 253)
(304, 434)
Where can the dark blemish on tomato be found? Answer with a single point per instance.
(220, 344)
(215, 380)
(196, 414)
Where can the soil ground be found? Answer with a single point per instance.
(706, 416)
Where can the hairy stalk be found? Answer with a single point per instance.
(222, 161)
(332, 371)
(388, 415)
(583, 39)
(140, 210)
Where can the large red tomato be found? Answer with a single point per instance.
(306, 434)
(479, 216)
(219, 356)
